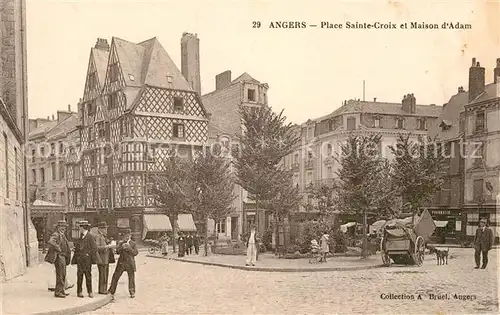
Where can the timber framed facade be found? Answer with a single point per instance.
(137, 107)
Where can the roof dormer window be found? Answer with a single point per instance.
(131, 77)
(445, 125)
(170, 79)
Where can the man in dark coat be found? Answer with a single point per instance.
(85, 255)
(189, 244)
(182, 245)
(127, 249)
(196, 243)
(59, 255)
(482, 243)
(105, 251)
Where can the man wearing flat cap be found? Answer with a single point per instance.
(105, 251)
(59, 255)
(127, 250)
(85, 255)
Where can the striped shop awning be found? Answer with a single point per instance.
(156, 222)
(185, 223)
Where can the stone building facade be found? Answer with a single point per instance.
(481, 130)
(47, 151)
(225, 126)
(17, 235)
(314, 159)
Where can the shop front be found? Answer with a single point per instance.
(449, 227)
(472, 216)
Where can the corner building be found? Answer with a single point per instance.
(137, 106)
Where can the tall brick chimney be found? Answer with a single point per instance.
(476, 80)
(102, 44)
(222, 80)
(496, 72)
(409, 103)
(190, 60)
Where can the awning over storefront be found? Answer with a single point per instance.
(344, 227)
(185, 223)
(441, 223)
(156, 222)
(42, 207)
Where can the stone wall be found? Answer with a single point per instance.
(12, 239)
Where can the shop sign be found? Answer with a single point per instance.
(441, 212)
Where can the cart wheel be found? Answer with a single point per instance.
(152, 250)
(419, 251)
(386, 260)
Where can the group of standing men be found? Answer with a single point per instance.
(187, 243)
(92, 249)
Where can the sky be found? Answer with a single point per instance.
(310, 71)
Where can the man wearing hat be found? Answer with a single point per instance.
(105, 251)
(127, 250)
(85, 255)
(59, 255)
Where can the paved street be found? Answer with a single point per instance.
(169, 287)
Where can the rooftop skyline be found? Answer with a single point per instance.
(310, 71)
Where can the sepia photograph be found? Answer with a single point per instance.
(249, 157)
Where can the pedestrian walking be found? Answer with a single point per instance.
(325, 248)
(251, 248)
(189, 244)
(182, 245)
(196, 243)
(483, 241)
(164, 244)
(59, 255)
(127, 249)
(85, 255)
(105, 251)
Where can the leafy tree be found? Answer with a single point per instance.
(266, 139)
(213, 188)
(416, 170)
(284, 197)
(173, 188)
(361, 179)
(324, 197)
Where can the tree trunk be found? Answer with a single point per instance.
(256, 215)
(364, 253)
(206, 236)
(215, 232)
(173, 232)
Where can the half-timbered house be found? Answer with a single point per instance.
(134, 111)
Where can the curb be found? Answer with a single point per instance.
(271, 269)
(80, 309)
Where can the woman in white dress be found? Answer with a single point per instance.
(324, 246)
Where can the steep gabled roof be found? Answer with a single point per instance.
(447, 126)
(101, 63)
(149, 63)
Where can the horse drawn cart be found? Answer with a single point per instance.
(404, 243)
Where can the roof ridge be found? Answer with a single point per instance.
(146, 61)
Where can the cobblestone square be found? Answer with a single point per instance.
(172, 287)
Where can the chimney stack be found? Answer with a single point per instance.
(69, 107)
(222, 80)
(48, 117)
(374, 99)
(476, 80)
(496, 72)
(53, 117)
(409, 103)
(461, 89)
(190, 60)
(102, 44)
